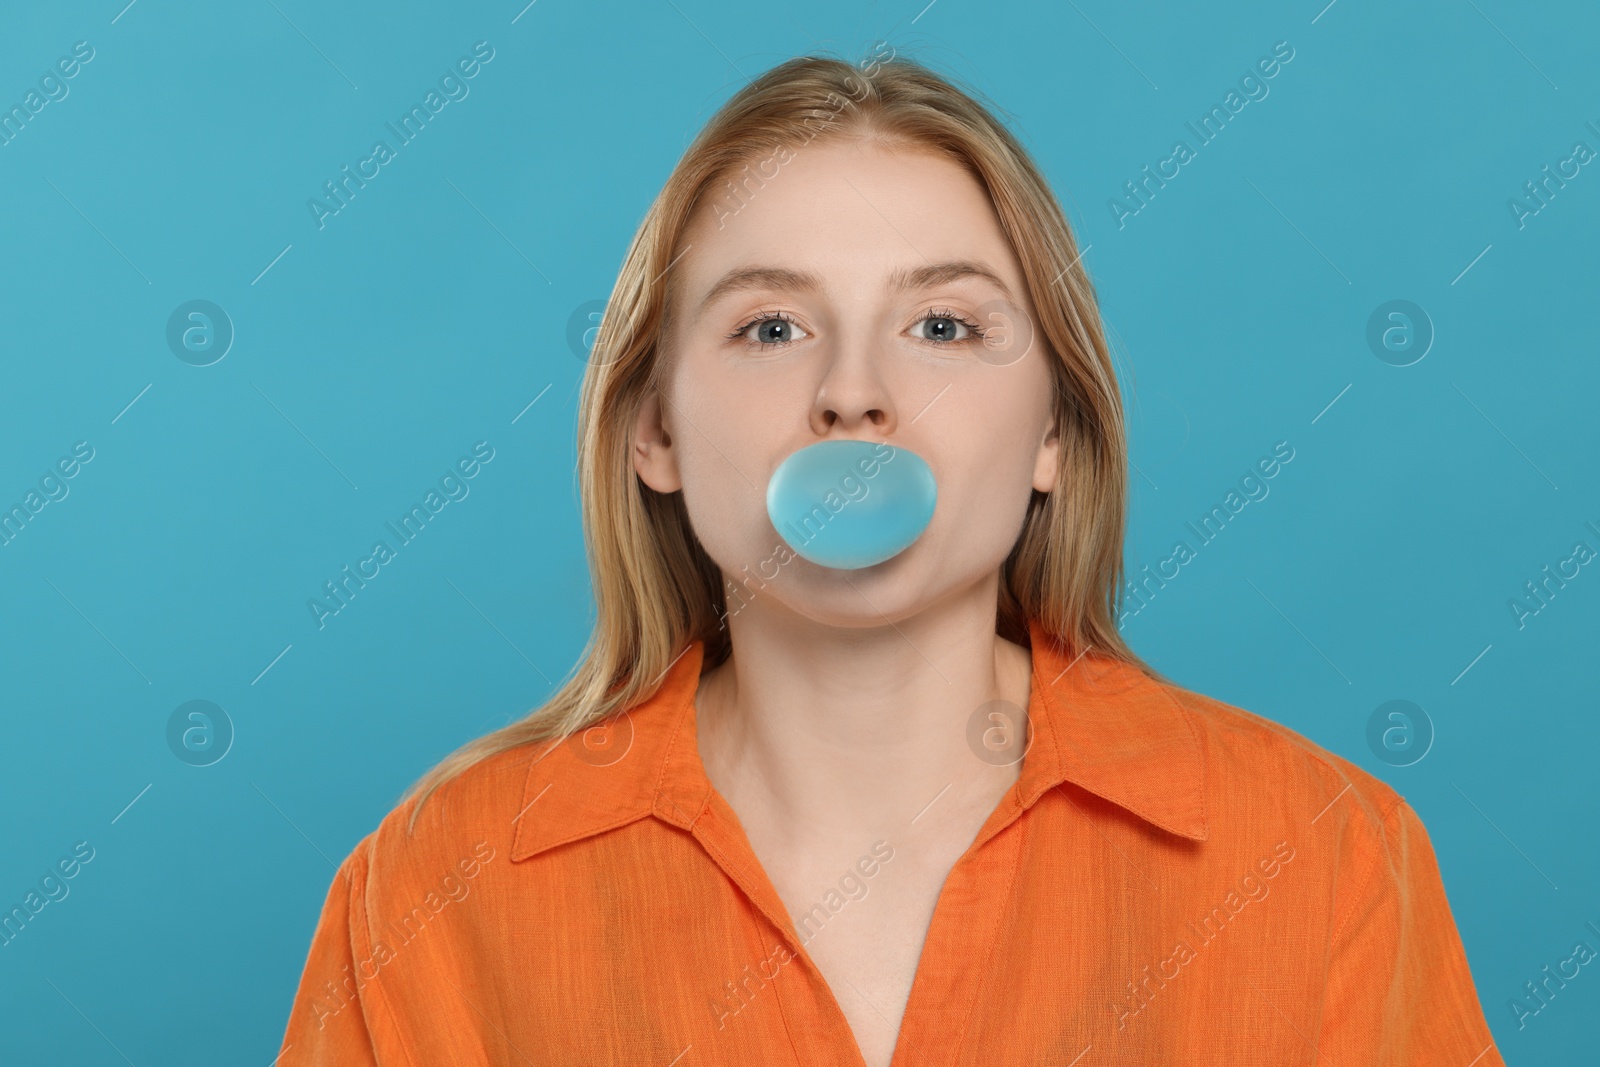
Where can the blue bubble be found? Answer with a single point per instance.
(851, 504)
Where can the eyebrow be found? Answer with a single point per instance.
(751, 278)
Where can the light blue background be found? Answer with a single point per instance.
(434, 308)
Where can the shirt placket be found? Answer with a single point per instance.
(807, 1020)
(962, 933)
(953, 971)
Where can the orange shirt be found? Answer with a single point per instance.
(1171, 881)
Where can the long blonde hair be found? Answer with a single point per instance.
(655, 589)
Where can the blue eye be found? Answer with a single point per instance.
(772, 330)
(941, 326)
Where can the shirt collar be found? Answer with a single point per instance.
(1098, 723)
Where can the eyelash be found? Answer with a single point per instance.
(932, 313)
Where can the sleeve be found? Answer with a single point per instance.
(330, 1022)
(1399, 990)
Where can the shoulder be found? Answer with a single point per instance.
(467, 824)
(1253, 761)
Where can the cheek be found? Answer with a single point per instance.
(986, 478)
(722, 507)
(723, 461)
(986, 500)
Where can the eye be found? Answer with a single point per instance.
(771, 329)
(941, 326)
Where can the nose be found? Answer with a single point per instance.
(852, 397)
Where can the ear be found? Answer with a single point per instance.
(654, 457)
(1046, 464)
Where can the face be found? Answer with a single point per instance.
(848, 297)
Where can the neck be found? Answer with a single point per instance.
(830, 731)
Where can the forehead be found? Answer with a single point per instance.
(860, 216)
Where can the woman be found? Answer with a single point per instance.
(931, 810)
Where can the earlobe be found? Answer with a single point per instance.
(1046, 464)
(654, 458)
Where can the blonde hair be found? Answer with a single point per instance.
(655, 589)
